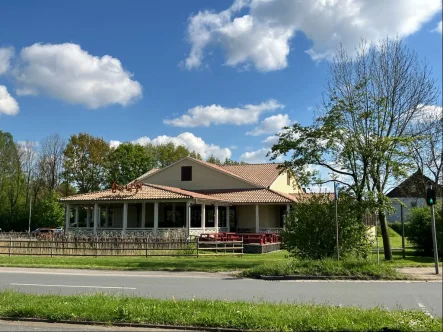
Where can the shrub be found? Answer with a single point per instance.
(419, 230)
(309, 231)
(49, 212)
(396, 226)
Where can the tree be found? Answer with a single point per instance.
(127, 162)
(230, 162)
(27, 155)
(85, 162)
(169, 153)
(361, 135)
(49, 212)
(51, 161)
(213, 160)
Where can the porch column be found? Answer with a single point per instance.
(257, 218)
(227, 219)
(95, 217)
(88, 216)
(143, 221)
(288, 208)
(125, 217)
(76, 217)
(107, 216)
(155, 217)
(68, 215)
(188, 219)
(216, 217)
(203, 217)
(173, 213)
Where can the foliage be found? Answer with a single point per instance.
(213, 160)
(127, 162)
(396, 227)
(419, 230)
(169, 153)
(361, 137)
(392, 233)
(310, 228)
(85, 162)
(212, 313)
(48, 212)
(358, 268)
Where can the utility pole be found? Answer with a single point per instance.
(30, 212)
(402, 230)
(336, 218)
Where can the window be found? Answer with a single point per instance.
(186, 173)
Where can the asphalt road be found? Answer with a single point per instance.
(426, 296)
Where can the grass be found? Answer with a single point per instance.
(394, 240)
(218, 314)
(203, 264)
(361, 269)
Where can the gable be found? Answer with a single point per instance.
(203, 177)
(281, 184)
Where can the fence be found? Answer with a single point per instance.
(106, 247)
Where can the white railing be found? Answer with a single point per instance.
(276, 230)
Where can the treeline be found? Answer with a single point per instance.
(35, 175)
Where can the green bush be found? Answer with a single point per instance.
(48, 212)
(419, 230)
(396, 227)
(309, 231)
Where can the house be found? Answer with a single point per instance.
(411, 193)
(190, 196)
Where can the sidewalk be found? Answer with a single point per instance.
(422, 273)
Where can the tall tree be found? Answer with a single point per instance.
(85, 162)
(50, 161)
(213, 160)
(361, 135)
(28, 155)
(127, 162)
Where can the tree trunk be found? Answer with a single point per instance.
(385, 235)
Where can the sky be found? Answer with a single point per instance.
(220, 77)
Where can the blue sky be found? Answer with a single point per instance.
(121, 70)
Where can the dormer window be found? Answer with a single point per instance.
(186, 173)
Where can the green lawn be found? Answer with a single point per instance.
(217, 314)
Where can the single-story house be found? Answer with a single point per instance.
(190, 196)
(409, 194)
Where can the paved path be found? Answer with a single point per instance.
(38, 326)
(426, 296)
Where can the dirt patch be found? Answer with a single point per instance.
(422, 273)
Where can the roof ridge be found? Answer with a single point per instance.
(282, 194)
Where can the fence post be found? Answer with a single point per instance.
(146, 247)
(10, 245)
(198, 245)
(242, 246)
(52, 244)
(96, 246)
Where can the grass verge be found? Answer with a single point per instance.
(219, 314)
(361, 269)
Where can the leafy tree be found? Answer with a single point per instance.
(50, 161)
(213, 160)
(127, 162)
(309, 231)
(85, 162)
(48, 212)
(230, 162)
(169, 153)
(195, 155)
(361, 136)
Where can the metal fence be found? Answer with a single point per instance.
(106, 247)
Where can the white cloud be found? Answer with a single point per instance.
(26, 92)
(188, 140)
(270, 140)
(260, 31)
(438, 28)
(258, 156)
(270, 125)
(66, 72)
(6, 53)
(217, 115)
(8, 105)
(427, 113)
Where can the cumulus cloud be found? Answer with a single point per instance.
(66, 72)
(8, 105)
(188, 140)
(272, 124)
(438, 28)
(258, 156)
(259, 32)
(205, 116)
(427, 113)
(270, 140)
(6, 53)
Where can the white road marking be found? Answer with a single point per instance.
(423, 308)
(72, 286)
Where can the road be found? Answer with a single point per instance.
(426, 296)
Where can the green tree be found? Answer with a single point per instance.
(127, 162)
(169, 153)
(230, 162)
(48, 212)
(361, 135)
(213, 160)
(85, 162)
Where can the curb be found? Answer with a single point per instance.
(137, 325)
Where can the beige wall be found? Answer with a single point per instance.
(203, 177)
(268, 214)
(281, 184)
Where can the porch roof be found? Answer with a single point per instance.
(259, 195)
(146, 193)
